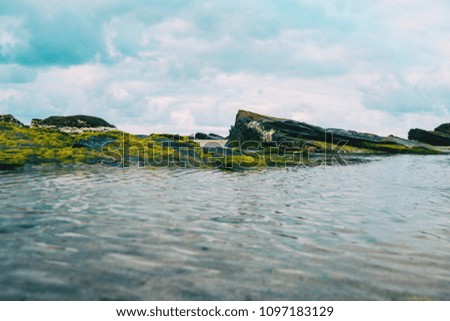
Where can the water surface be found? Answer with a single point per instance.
(373, 231)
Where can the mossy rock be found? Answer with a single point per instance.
(78, 121)
(10, 119)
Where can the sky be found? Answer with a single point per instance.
(185, 66)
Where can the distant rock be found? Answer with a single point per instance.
(201, 136)
(210, 136)
(216, 136)
(73, 124)
(439, 137)
(11, 120)
(444, 128)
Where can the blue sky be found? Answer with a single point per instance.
(184, 66)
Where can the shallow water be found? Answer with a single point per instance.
(373, 231)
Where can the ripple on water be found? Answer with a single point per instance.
(377, 230)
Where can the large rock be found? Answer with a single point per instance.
(11, 120)
(73, 124)
(444, 128)
(439, 137)
(272, 131)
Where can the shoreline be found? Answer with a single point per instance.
(254, 141)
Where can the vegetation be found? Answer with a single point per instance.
(392, 148)
(21, 145)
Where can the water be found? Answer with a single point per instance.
(373, 231)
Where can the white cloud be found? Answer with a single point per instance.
(13, 36)
(117, 92)
(371, 66)
(8, 94)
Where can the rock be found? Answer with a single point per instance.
(201, 136)
(444, 128)
(254, 131)
(73, 124)
(11, 120)
(438, 137)
(213, 136)
(272, 131)
(210, 136)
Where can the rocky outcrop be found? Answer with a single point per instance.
(444, 128)
(306, 145)
(255, 127)
(271, 131)
(438, 137)
(73, 124)
(210, 136)
(10, 119)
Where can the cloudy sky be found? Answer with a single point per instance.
(380, 66)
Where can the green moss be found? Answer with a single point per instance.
(24, 145)
(392, 148)
(172, 137)
(334, 148)
(424, 151)
(117, 134)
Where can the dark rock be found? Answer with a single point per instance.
(79, 121)
(444, 128)
(436, 138)
(201, 136)
(11, 120)
(213, 136)
(272, 131)
(439, 137)
(210, 136)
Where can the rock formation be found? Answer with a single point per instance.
(275, 142)
(210, 136)
(440, 136)
(73, 124)
(11, 120)
(273, 131)
(444, 128)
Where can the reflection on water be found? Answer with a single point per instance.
(378, 230)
